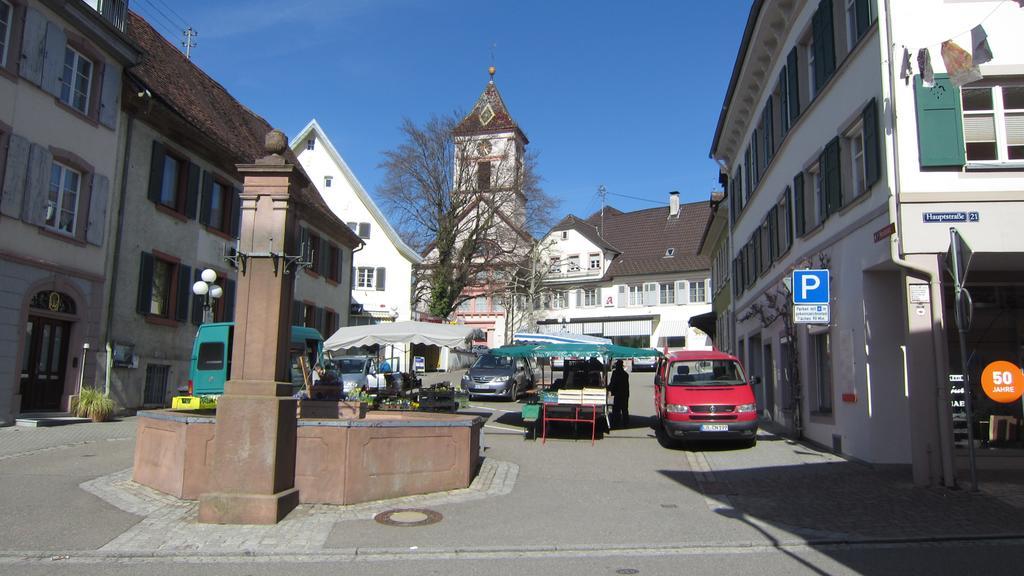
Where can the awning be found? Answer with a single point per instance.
(705, 323)
(407, 332)
(525, 337)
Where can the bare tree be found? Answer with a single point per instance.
(467, 204)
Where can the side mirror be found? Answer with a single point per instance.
(756, 380)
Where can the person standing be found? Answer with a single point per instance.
(619, 387)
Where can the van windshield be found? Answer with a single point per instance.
(349, 365)
(491, 361)
(705, 373)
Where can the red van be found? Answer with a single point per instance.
(703, 394)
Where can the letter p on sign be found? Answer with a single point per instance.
(810, 287)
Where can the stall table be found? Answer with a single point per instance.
(576, 406)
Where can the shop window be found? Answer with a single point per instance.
(822, 355)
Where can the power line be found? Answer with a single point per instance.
(168, 32)
(156, 11)
(180, 23)
(180, 18)
(634, 198)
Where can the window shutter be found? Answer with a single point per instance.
(184, 291)
(788, 215)
(318, 319)
(236, 212)
(297, 313)
(828, 49)
(364, 229)
(818, 43)
(193, 195)
(940, 132)
(97, 218)
(110, 96)
(707, 290)
(863, 17)
(15, 176)
(735, 189)
(145, 298)
(833, 178)
(872, 144)
(783, 102)
(748, 182)
(33, 46)
(355, 276)
(156, 170)
(799, 222)
(650, 294)
(352, 226)
(325, 257)
(623, 296)
(794, 85)
(230, 289)
(768, 131)
(755, 162)
(197, 302)
(53, 58)
(682, 296)
(380, 278)
(341, 264)
(40, 162)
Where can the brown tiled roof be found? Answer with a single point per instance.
(586, 229)
(644, 236)
(202, 102)
(502, 121)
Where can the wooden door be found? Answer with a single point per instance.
(44, 363)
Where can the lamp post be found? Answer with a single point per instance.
(206, 287)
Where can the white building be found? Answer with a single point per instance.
(633, 277)
(839, 158)
(382, 269)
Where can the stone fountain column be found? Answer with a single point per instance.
(253, 469)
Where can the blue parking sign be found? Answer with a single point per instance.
(810, 287)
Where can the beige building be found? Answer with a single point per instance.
(61, 135)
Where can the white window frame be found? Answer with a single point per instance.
(854, 146)
(814, 175)
(666, 293)
(310, 143)
(636, 294)
(999, 115)
(559, 300)
(594, 261)
(366, 278)
(56, 199)
(590, 297)
(698, 291)
(555, 265)
(70, 84)
(851, 24)
(6, 35)
(328, 180)
(809, 51)
(573, 263)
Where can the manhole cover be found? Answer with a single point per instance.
(627, 571)
(408, 517)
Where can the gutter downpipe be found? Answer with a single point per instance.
(934, 281)
(116, 241)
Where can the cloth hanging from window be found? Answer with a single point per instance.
(980, 51)
(959, 64)
(906, 69)
(924, 64)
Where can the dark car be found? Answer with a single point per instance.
(498, 377)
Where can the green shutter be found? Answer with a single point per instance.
(828, 37)
(145, 298)
(831, 178)
(940, 130)
(207, 202)
(798, 201)
(783, 103)
(793, 78)
(197, 302)
(184, 292)
(872, 144)
(863, 17)
(230, 288)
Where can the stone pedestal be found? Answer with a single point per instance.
(254, 473)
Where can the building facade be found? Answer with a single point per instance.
(603, 278)
(60, 135)
(381, 276)
(839, 155)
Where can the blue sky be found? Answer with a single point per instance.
(620, 93)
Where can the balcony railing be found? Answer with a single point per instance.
(572, 272)
(113, 11)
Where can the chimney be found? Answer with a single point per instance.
(673, 204)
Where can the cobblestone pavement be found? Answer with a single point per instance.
(170, 525)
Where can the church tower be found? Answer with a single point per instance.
(490, 149)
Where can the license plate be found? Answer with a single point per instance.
(714, 427)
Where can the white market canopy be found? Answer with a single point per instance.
(407, 332)
(557, 338)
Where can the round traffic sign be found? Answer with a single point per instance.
(1002, 381)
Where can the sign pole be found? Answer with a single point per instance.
(961, 322)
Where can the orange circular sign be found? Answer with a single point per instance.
(1002, 381)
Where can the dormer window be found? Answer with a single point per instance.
(327, 181)
(595, 261)
(670, 252)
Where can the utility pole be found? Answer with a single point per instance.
(603, 193)
(188, 44)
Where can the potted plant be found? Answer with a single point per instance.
(93, 404)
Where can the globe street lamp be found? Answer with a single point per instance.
(206, 287)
